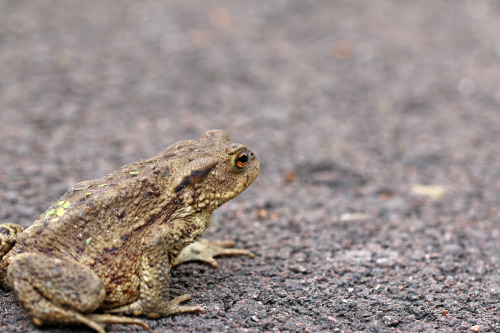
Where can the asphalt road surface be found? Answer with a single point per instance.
(377, 124)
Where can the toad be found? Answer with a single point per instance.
(106, 247)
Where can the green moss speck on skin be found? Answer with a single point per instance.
(50, 212)
(60, 211)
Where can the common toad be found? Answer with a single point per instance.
(109, 244)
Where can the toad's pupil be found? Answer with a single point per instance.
(243, 157)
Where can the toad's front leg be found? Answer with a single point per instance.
(154, 297)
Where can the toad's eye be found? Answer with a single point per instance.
(241, 159)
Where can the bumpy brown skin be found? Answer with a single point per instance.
(109, 243)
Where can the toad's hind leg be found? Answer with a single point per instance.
(58, 291)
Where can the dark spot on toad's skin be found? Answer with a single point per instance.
(126, 291)
(4, 231)
(185, 182)
(47, 251)
(112, 250)
(166, 173)
(201, 173)
(120, 213)
(196, 175)
(156, 170)
(170, 154)
(125, 237)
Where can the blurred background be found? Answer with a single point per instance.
(376, 123)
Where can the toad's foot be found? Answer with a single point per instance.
(111, 319)
(206, 251)
(172, 307)
(95, 321)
